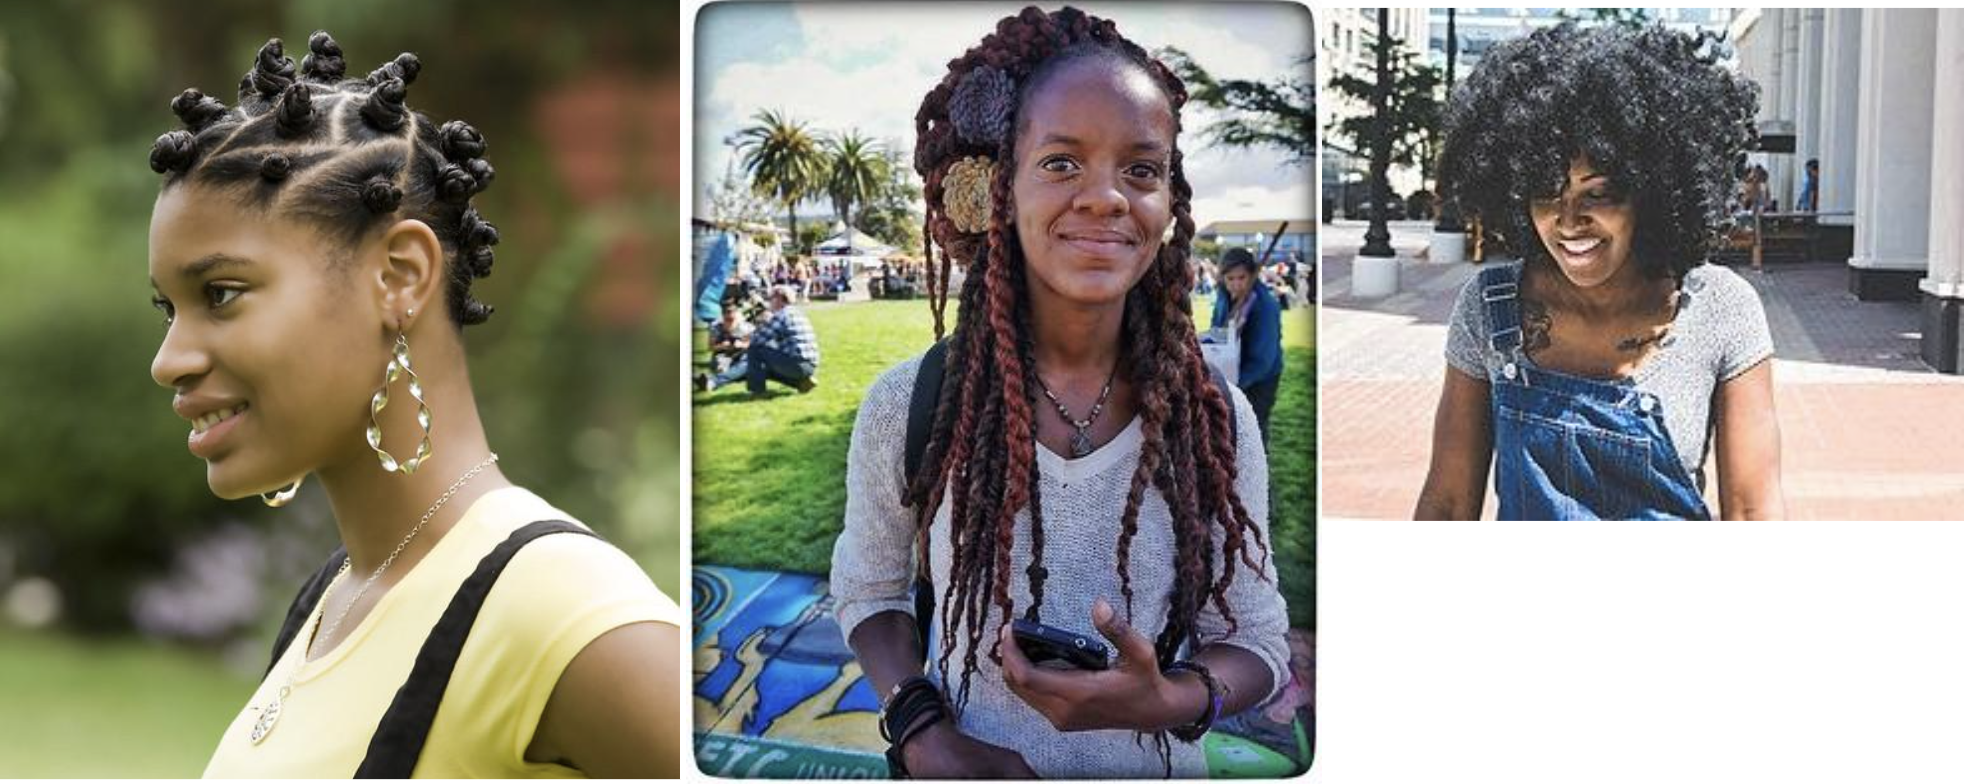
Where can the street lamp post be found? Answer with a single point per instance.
(1378, 238)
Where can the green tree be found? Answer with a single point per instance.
(784, 161)
(1277, 114)
(854, 175)
(894, 216)
(1413, 120)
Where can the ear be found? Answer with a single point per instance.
(412, 272)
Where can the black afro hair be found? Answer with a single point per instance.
(1651, 108)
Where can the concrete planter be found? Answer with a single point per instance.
(1446, 247)
(1376, 276)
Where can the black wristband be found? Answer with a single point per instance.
(905, 704)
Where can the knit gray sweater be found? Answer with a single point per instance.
(873, 569)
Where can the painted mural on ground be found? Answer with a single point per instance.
(778, 693)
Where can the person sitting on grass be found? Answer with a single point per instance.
(730, 336)
(784, 349)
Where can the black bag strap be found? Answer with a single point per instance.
(922, 412)
(303, 606)
(400, 736)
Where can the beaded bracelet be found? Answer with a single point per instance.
(1194, 731)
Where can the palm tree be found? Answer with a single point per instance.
(783, 160)
(856, 173)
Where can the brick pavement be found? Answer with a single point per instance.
(1869, 432)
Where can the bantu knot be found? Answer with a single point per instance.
(381, 195)
(271, 72)
(481, 172)
(404, 68)
(173, 152)
(295, 111)
(324, 63)
(475, 312)
(476, 231)
(196, 110)
(479, 261)
(275, 167)
(383, 109)
(460, 141)
(454, 184)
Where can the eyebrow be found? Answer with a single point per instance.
(207, 263)
(1147, 145)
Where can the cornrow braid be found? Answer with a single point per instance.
(980, 455)
(345, 154)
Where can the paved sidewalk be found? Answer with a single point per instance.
(1868, 431)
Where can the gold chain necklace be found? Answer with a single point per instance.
(270, 715)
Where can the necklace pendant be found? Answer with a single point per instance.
(269, 716)
(1082, 444)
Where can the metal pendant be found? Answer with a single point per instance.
(269, 716)
(1082, 444)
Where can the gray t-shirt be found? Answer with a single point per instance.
(1720, 333)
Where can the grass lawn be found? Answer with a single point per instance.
(768, 483)
(110, 709)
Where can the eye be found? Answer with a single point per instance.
(1059, 164)
(1145, 171)
(164, 306)
(219, 295)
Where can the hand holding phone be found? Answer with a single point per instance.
(1057, 648)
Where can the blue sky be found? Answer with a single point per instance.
(867, 66)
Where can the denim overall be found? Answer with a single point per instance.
(1571, 448)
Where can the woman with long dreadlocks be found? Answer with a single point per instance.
(1082, 468)
(304, 240)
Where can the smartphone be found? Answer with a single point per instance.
(1047, 646)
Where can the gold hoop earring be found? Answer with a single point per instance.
(398, 367)
(279, 498)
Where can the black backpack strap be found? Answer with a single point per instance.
(303, 606)
(400, 736)
(922, 414)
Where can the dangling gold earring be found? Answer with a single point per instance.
(279, 498)
(399, 366)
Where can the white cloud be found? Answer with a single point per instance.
(1292, 201)
(867, 66)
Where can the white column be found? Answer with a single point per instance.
(1838, 115)
(1896, 136)
(1784, 167)
(1810, 74)
(1944, 216)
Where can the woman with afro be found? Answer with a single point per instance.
(312, 250)
(1082, 469)
(1598, 371)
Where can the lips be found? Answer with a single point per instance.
(1100, 243)
(210, 424)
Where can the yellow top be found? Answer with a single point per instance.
(558, 593)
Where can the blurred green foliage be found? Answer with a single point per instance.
(578, 389)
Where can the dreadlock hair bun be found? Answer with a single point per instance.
(272, 71)
(173, 152)
(346, 155)
(275, 167)
(293, 114)
(196, 110)
(381, 195)
(404, 68)
(384, 109)
(481, 172)
(461, 142)
(454, 184)
(324, 62)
